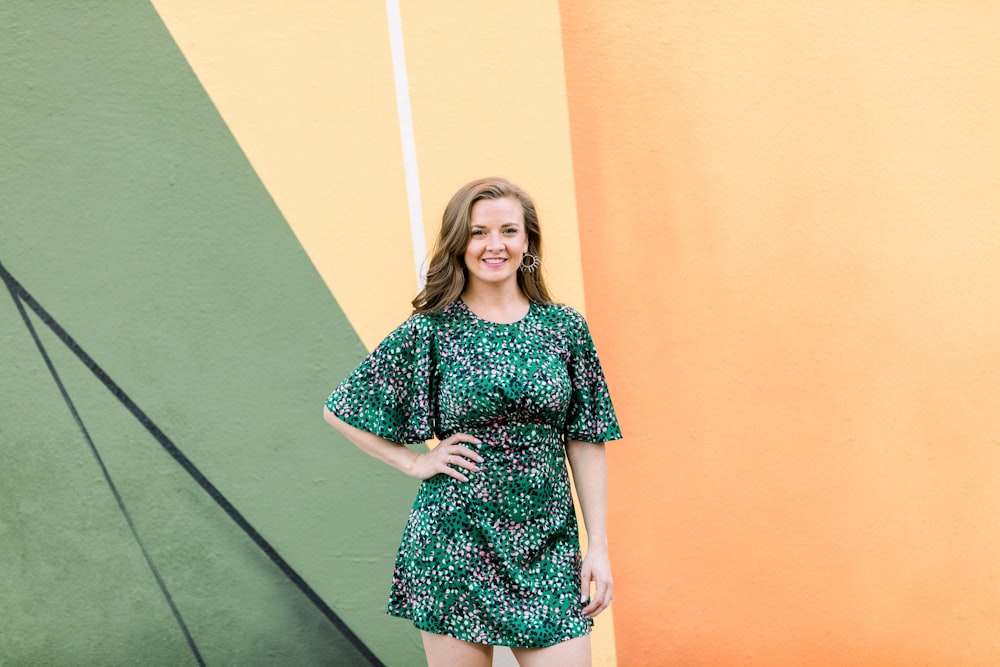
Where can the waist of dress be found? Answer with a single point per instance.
(511, 434)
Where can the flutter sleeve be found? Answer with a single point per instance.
(591, 416)
(390, 392)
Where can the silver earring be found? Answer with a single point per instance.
(529, 262)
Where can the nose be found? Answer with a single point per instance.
(494, 242)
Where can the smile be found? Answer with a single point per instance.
(495, 260)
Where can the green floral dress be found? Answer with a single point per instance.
(495, 560)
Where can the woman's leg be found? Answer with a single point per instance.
(445, 651)
(570, 653)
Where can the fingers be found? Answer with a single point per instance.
(451, 472)
(601, 597)
(451, 455)
(461, 437)
(585, 578)
(453, 464)
(600, 601)
(463, 456)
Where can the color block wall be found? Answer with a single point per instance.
(779, 218)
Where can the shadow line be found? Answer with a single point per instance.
(21, 298)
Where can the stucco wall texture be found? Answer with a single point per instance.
(779, 218)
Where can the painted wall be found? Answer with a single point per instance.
(797, 299)
(780, 219)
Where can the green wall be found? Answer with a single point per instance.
(131, 215)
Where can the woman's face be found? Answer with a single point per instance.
(497, 241)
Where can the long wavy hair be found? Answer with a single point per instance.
(446, 271)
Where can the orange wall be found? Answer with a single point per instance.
(788, 220)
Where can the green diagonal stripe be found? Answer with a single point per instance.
(131, 214)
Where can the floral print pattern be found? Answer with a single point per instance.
(495, 560)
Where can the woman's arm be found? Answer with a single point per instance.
(422, 466)
(590, 473)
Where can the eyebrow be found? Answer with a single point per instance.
(502, 224)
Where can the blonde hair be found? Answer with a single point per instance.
(446, 272)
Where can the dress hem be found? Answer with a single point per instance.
(501, 642)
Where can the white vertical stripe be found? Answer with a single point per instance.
(406, 134)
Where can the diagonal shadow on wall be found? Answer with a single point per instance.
(132, 214)
(320, 637)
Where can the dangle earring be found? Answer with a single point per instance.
(529, 262)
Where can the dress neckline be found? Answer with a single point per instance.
(465, 306)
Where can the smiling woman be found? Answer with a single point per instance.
(497, 243)
(511, 385)
(447, 273)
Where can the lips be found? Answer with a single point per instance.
(495, 261)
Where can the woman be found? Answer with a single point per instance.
(511, 385)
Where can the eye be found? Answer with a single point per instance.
(511, 231)
(477, 233)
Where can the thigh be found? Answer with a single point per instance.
(445, 651)
(570, 653)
